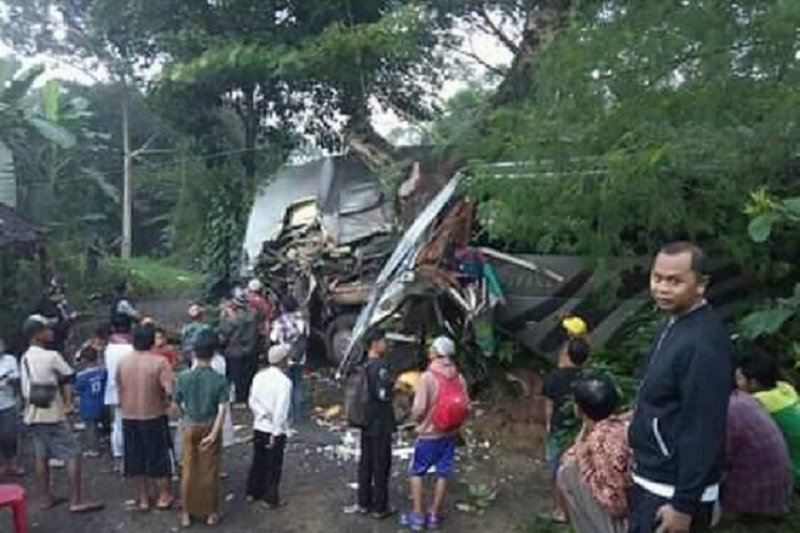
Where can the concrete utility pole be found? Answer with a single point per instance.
(127, 185)
(126, 248)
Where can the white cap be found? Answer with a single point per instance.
(444, 346)
(254, 285)
(278, 353)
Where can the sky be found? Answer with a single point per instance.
(485, 46)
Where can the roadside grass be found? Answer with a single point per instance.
(154, 277)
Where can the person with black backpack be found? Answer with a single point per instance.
(377, 427)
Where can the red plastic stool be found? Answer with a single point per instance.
(14, 496)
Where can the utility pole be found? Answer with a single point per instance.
(126, 248)
(127, 184)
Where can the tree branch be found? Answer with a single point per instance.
(492, 28)
(475, 57)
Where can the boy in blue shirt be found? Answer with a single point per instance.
(90, 386)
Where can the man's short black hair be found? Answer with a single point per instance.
(290, 304)
(101, 332)
(205, 344)
(578, 350)
(89, 355)
(121, 323)
(596, 396)
(144, 336)
(374, 335)
(699, 258)
(761, 366)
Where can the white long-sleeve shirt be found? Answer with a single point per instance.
(114, 354)
(270, 398)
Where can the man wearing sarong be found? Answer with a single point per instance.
(202, 397)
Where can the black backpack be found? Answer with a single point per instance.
(356, 396)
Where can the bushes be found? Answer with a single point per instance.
(21, 290)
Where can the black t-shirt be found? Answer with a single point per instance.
(558, 388)
(380, 411)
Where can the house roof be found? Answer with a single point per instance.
(15, 229)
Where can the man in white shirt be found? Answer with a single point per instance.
(270, 400)
(119, 345)
(45, 387)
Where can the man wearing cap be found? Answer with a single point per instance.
(45, 382)
(435, 449)
(258, 302)
(375, 463)
(270, 399)
(240, 334)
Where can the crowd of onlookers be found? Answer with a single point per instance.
(711, 434)
(129, 383)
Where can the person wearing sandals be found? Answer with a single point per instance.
(9, 412)
(145, 383)
(45, 378)
(202, 397)
(441, 403)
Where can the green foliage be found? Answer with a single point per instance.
(639, 131)
(775, 321)
(228, 207)
(767, 212)
(21, 121)
(21, 289)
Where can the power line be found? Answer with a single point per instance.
(154, 165)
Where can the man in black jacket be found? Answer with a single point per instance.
(375, 463)
(678, 427)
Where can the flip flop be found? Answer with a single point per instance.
(86, 508)
(162, 506)
(135, 507)
(55, 502)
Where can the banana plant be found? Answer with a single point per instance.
(20, 115)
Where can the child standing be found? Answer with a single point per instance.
(163, 348)
(90, 386)
(9, 411)
(560, 418)
(202, 397)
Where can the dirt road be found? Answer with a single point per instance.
(317, 484)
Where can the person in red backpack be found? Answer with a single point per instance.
(441, 405)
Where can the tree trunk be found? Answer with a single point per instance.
(362, 139)
(249, 117)
(541, 26)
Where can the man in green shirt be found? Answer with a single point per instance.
(202, 397)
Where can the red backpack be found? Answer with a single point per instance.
(451, 406)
